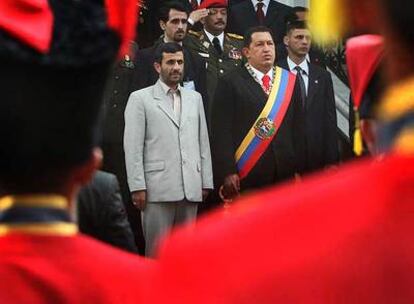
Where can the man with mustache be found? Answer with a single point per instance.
(167, 149)
(221, 51)
(256, 121)
(173, 18)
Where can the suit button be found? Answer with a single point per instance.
(115, 92)
(183, 162)
(221, 71)
(114, 105)
(220, 60)
(116, 77)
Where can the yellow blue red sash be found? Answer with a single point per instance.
(267, 124)
(35, 214)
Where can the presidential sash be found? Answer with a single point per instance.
(35, 214)
(267, 124)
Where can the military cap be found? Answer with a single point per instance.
(54, 58)
(213, 3)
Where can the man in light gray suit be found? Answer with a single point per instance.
(167, 151)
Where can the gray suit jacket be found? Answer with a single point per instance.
(171, 160)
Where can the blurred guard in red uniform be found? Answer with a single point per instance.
(54, 58)
(341, 237)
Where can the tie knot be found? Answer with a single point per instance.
(298, 69)
(266, 79)
(260, 5)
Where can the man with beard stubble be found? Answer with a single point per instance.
(173, 17)
(167, 149)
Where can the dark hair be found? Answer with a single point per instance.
(296, 25)
(400, 15)
(164, 12)
(50, 103)
(292, 16)
(256, 29)
(168, 47)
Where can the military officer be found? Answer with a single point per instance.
(220, 50)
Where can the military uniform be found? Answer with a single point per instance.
(217, 64)
(115, 98)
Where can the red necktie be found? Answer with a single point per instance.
(266, 83)
(260, 13)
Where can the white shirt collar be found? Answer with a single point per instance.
(219, 37)
(303, 65)
(265, 5)
(165, 40)
(166, 88)
(260, 75)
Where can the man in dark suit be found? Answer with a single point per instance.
(251, 13)
(173, 21)
(239, 106)
(320, 147)
(101, 212)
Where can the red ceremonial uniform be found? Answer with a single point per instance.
(44, 260)
(317, 242)
(69, 269)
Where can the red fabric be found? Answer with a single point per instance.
(363, 54)
(213, 3)
(53, 269)
(122, 17)
(30, 21)
(341, 237)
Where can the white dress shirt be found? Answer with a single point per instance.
(305, 71)
(175, 96)
(259, 75)
(219, 37)
(265, 5)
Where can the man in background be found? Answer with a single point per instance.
(320, 146)
(221, 51)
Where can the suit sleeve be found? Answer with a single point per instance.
(206, 167)
(117, 228)
(222, 125)
(331, 143)
(134, 137)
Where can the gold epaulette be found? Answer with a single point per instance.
(194, 33)
(235, 36)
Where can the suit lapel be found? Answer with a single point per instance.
(250, 16)
(254, 87)
(271, 14)
(313, 85)
(164, 103)
(184, 107)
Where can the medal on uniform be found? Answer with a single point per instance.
(235, 54)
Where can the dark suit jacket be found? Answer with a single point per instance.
(243, 16)
(145, 75)
(238, 102)
(101, 213)
(320, 120)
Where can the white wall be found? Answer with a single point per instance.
(295, 2)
